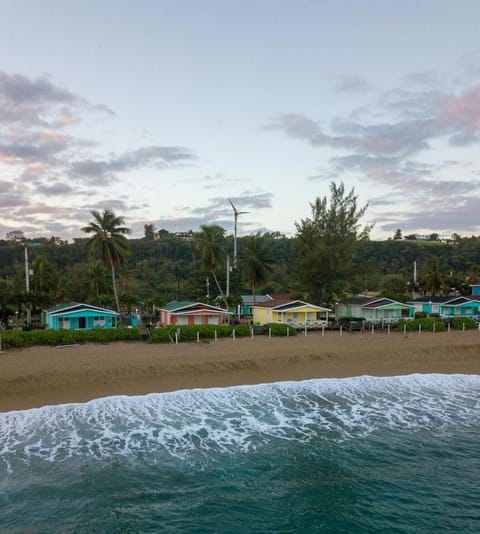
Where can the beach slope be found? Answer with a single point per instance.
(40, 376)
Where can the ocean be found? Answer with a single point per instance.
(364, 454)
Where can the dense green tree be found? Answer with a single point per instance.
(209, 246)
(398, 235)
(325, 244)
(394, 286)
(433, 279)
(149, 232)
(108, 241)
(255, 261)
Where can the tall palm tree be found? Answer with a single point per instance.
(209, 244)
(109, 242)
(256, 261)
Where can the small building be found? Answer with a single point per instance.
(376, 309)
(295, 312)
(189, 313)
(448, 307)
(77, 316)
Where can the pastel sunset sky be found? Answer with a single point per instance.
(163, 110)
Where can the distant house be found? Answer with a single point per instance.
(77, 316)
(288, 311)
(188, 313)
(374, 309)
(448, 307)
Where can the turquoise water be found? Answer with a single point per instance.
(398, 454)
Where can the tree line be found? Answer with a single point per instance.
(329, 257)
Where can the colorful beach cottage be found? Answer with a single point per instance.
(295, 312)
(77, 316)
(189, 313)
(374, 309)
(448, 307)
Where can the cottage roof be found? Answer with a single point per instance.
(374, 302)
(190, 307)
(288, 305)
(70, 307)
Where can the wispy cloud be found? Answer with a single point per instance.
(387, 143)
(47, 161)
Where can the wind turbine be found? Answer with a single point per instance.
(236, 213)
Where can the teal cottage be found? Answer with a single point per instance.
(77, 316)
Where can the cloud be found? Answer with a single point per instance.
(157, 157)
(351, 83)
(459, 215)
(48, 160)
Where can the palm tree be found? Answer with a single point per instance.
(256, 261)
(209, 244)
(109, 242)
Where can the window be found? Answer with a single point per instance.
(63, 323)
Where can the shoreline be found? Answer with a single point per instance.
(40, 376)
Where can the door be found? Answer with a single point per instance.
(82, 322)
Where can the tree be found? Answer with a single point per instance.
(398, 235)
(109, 242)
(326, 242)
(209, 245)
(255, 261)
(433, 278)
(149, 231)
(16, 236)
(44, 280)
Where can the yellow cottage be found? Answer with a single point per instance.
(294, 312)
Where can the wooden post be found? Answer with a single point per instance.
(215, 335)
(448, 327)
(420, 328)
(340, 329)
(251, 332)
(434, 324)
(305, 328)
(404, 330)
(388, 329)
(233, 333)
(198, 336)
(176, 337)
(373, 328)
(288, 331)
(269, 331)
(323, 330)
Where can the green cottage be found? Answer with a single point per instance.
(77, 316)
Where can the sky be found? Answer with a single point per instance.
(162, 111)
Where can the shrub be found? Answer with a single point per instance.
(280, 329)
(20, 339)
(457, 323)
(426, 325)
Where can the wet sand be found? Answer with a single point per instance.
(40, 376)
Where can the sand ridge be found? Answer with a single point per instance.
(40, 376)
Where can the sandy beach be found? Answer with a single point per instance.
(40, 376)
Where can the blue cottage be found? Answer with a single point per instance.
(77, 316)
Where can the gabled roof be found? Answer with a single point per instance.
(433, 300)
(359, 300)
(190, 307)
(459, 301)
(374, 302)
(72, 307)
(289, 305)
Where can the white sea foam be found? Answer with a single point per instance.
(220, 420)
